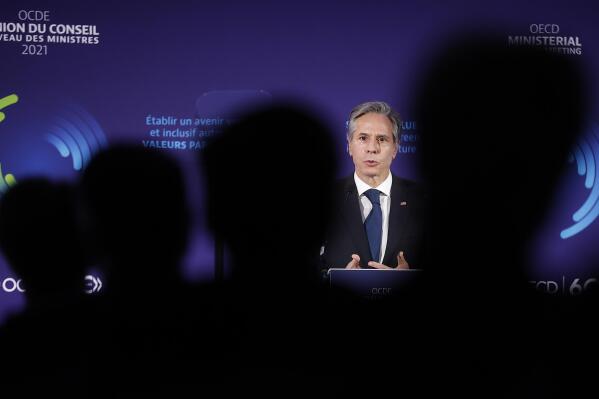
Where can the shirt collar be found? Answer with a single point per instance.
(384, 187)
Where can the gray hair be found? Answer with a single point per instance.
(378, 107)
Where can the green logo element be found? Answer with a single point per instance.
(6, 181)
(9, 179)
(5, 102)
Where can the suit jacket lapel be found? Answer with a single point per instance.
(397, 222)
(353, 219)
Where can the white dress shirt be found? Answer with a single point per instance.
(366, 205)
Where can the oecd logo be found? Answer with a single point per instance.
(586, 156)
(92, 284)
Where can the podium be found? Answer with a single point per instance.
(376, 283)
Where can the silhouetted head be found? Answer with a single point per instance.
(268, 190)
(496, 124)
(39, 236)
(134, 203)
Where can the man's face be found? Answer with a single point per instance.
(372, 147)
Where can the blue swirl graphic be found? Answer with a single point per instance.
(70, 143)
(74, 132)
(586, 155)
(59, 144)
(77, 134)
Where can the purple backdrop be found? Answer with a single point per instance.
(160, 59)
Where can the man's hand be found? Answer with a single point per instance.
(354, 263)
(401, 263)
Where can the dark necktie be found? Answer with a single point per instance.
(374, 224)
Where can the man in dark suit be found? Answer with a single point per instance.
(377, 223)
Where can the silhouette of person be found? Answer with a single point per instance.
(268, 196)
(496, 125)
(137, 217)
(39, 237)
